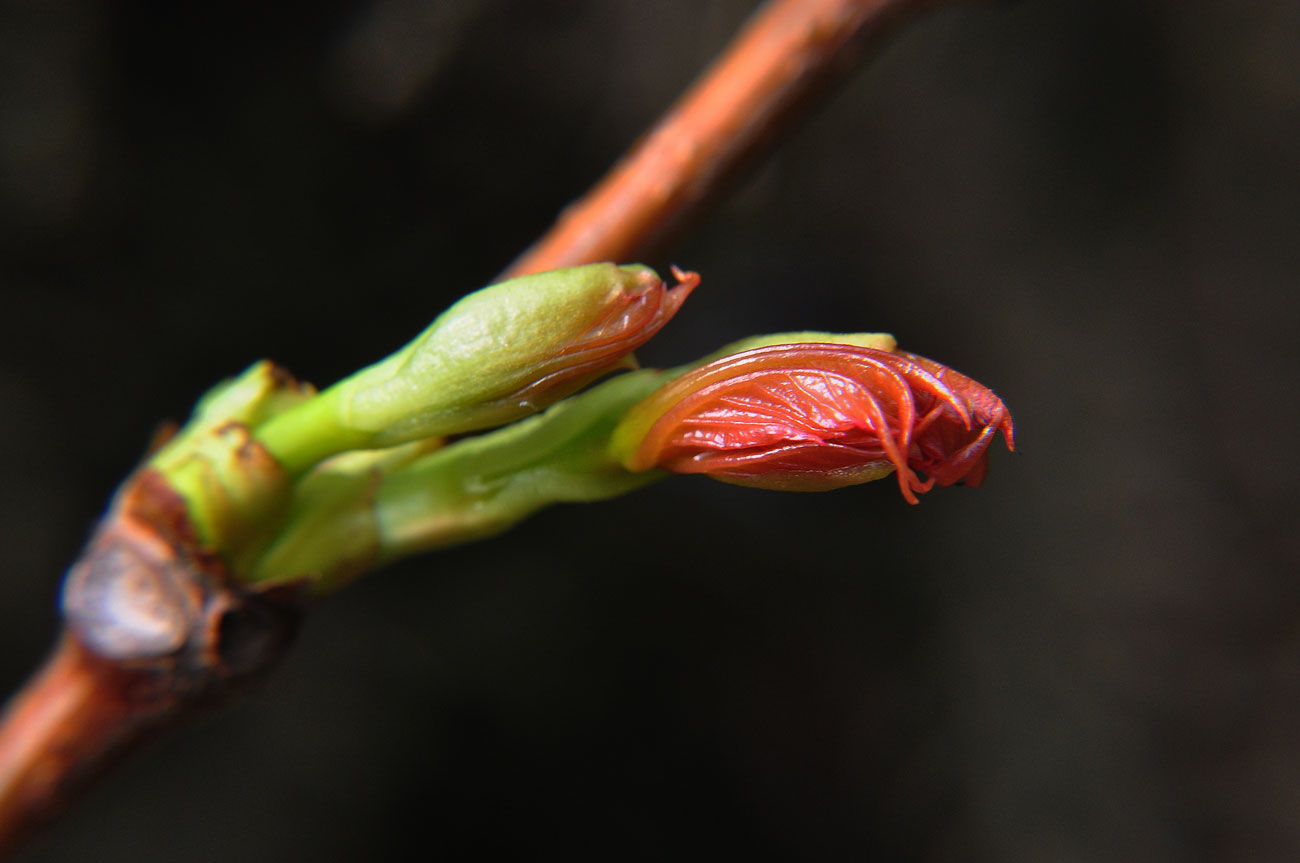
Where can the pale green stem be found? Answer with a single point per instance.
(355, 513)
(310, 432)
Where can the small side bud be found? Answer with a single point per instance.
(499, 354)
(509, 350)
(231, 484)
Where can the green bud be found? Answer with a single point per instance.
(232, 486)
(497, 355)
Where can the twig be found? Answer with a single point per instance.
(62, 720)
(96, 698)
(78, 714)
(153, 634)
(786, 54)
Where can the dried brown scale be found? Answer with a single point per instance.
(174, 580)
(155, 632)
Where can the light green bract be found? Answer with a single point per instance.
(497, 355)
(287, 484)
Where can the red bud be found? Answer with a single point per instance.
(816, 416)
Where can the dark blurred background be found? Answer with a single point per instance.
(1091, 206)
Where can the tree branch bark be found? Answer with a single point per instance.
(77, 712)
(785, 55)
(91, 705)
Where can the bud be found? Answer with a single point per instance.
(232, 486)
(496, 355)
(817, 416)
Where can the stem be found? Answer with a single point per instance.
(82, 711)
(787, 53)
(152, 634)
(364, 510)
(302, 437)
(55, 734)
(484, 485)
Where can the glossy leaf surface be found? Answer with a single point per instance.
(810, 417)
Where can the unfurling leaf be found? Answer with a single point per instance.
(817, 416)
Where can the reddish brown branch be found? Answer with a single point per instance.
(786, 53)
(58, 731)
(87, 707)
(153, 633)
